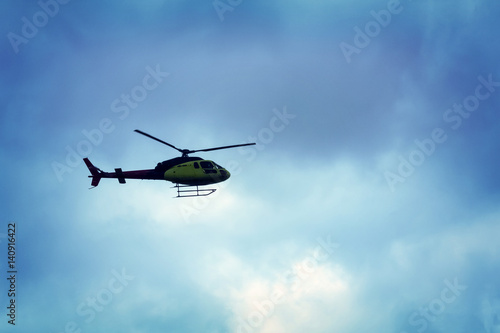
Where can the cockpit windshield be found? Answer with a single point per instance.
(206, 165)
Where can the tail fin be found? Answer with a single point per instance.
(96, 173)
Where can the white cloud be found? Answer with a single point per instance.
(271, 301)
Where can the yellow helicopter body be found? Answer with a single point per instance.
(198, 172)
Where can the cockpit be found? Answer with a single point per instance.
(208, 166)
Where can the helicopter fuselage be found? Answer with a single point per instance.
(192, 171)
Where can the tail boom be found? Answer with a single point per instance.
(97, 174)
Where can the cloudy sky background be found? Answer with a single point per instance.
(323, 226)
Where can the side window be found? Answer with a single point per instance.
(196, 166)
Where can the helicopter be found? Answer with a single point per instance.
(185, 172)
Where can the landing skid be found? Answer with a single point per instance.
(184, 193)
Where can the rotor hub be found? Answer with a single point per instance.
(185, 152)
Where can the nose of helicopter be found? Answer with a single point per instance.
(225, 174)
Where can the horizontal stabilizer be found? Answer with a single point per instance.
(120, 176)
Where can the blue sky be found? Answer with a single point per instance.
(370, 202)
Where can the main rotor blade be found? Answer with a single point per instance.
(225, 147)
(152, 137)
